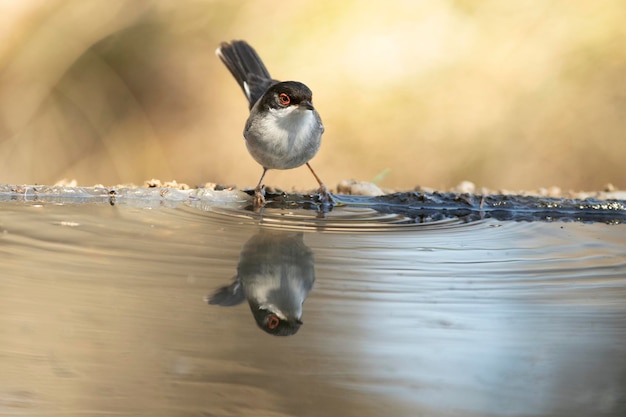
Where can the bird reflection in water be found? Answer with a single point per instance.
(275, 274)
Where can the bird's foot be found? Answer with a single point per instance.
(259, 197)
(325, 197)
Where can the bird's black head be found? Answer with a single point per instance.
(272, 324)
(288, 93)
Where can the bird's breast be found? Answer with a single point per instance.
(284, 138)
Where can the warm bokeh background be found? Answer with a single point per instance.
(514, 95)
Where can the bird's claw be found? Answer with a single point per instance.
(325, 197)
(259, 198)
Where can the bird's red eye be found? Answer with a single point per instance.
(272, 322)
(284, 99)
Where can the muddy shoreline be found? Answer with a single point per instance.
(416, 206)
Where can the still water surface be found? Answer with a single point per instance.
(104, 312)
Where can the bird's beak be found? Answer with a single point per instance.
(307, 105)
(298, 321)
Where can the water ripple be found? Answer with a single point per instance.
(340, 220)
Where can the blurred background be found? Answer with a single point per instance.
(513, 95)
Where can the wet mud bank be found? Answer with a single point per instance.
(418, 207)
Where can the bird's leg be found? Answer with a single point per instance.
(259, 193)
(325, 195)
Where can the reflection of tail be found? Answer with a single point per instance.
(228, 296)
(246, 66)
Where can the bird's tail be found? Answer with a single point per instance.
(246, 66)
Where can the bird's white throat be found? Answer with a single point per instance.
(296, 122)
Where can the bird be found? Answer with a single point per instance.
(283, 130)
(275, 274)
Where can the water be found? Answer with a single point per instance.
(104, 312)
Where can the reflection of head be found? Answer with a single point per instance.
(273, 324)
(275, 274)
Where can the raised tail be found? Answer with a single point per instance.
(246, 66)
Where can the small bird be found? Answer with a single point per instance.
(284, 130)
(275, 274)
